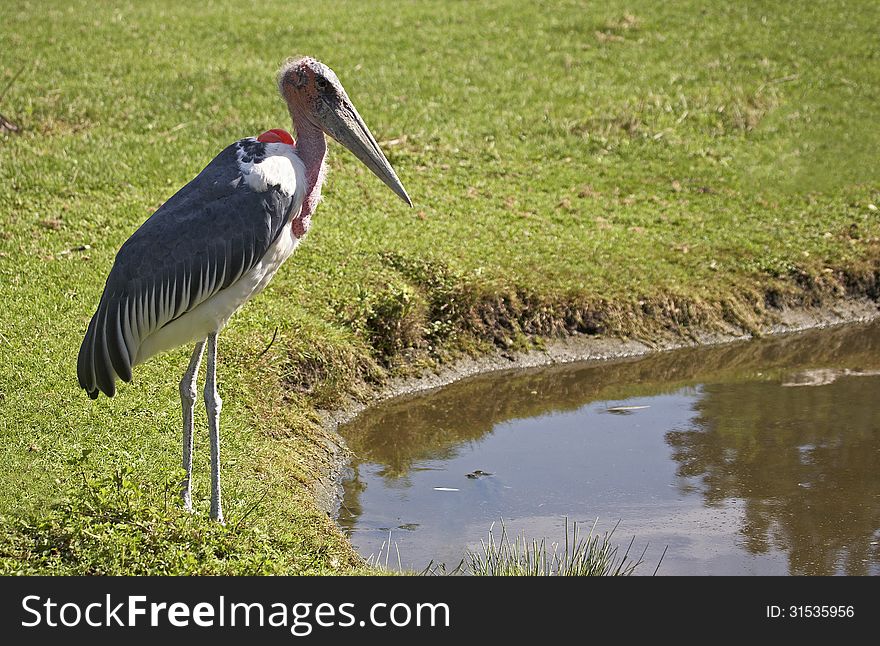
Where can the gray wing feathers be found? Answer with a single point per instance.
(199, 242)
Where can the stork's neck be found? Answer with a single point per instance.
(311, 147)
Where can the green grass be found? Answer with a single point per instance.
(577, 555)
(576, 167)
(501, 554)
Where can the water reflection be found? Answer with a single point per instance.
(742, 456)
(805, 461)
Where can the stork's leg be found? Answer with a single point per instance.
(187, 401)
(213, 403)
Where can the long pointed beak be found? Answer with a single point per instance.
(342, 122)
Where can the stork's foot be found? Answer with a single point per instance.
(217, 510)
(186, 498)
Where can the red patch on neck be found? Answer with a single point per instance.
(276, 136)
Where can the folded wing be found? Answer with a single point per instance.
(199, 242)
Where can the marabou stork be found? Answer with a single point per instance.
(216, 243)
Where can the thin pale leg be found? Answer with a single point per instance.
(213, 403)
(187, 400)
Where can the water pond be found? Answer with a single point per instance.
(759, 457)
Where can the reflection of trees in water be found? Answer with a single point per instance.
(805, 461)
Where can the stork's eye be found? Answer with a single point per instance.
(321, 83)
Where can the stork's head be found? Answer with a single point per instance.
(313, 92)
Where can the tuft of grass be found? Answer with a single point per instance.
(380, 560)
(590, 555)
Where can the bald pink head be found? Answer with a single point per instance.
(302, 82)
(317, 101)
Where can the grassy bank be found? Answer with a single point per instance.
(576, 167)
